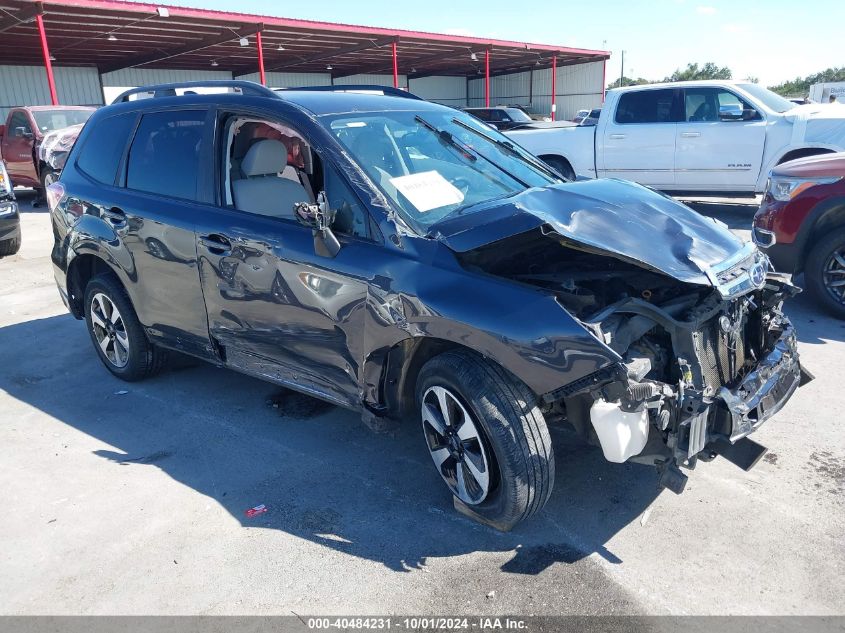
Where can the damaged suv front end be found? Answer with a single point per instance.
(693, 316)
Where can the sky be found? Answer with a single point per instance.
(772, 40)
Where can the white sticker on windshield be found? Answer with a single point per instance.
(427, 190)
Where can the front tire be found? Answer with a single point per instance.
(487, 438)
(117, 335)
(10, 247)
(824, 272)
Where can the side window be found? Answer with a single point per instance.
(646, 106)
(733, 108)
(701, 104)
(103, 147)
(19, 120)
(268, 167)
(351, 218)
(165, 153)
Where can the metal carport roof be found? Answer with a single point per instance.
(112, 35)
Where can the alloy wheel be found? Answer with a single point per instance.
(109, 330)
(833, 274)
(455, 443)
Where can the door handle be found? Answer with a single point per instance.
(617, 136)
(216, 244)
(690, 134)
(115, 216)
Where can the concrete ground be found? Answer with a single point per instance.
(130, 498)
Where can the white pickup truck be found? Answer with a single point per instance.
(695, 136)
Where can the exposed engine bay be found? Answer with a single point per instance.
(700, 365)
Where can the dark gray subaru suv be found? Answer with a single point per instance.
(401, 258)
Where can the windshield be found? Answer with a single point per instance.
(49, 120)
(517, 115)
(433, 164)
(768, 98)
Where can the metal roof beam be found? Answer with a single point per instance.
(204, 43)
(382, 68)
(10, 21)
(375, 43)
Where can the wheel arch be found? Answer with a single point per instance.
(82, 268)
(803, 152)
(558, 157)
(825, 217)
(402, 365)
(790, 153)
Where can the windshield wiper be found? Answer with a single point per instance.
(446, 138)
(509, 149)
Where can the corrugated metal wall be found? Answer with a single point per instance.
(291, 80)
(134, 77)
(27, 85)
(577, 87)
(450, 91)
(116, 82)
(371, 80)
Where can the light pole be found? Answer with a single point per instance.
(622, 71)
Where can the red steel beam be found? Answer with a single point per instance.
(554, 85)
(48, 65)
(395, 66)
(260, 58)
(487, 78)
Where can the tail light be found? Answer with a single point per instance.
(55, 194)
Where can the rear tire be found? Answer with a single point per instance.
(513, 443)
(561, 166)
(10, 247)
(825, 264)
(117, 335)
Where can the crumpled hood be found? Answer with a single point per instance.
(619, 217)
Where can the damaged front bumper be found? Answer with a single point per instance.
(738, 364)
(764, 391)
(737, 412)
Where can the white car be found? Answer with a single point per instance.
(695, 136)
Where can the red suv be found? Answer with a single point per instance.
(801, 225)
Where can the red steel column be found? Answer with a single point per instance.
(487, 78)
(395, 68)
(554, 85)
(260, 58)
(47, 63)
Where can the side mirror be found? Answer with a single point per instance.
(320, 218)
(22, 132)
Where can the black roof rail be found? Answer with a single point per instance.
(169, 90)
(385, 90)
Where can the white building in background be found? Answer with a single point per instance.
(821, 92)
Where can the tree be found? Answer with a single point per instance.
(628, 81)
(693, 72)
(800, 86)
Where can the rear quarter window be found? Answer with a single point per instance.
(165, 153)
(104, 145)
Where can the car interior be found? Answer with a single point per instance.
(270, 168)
